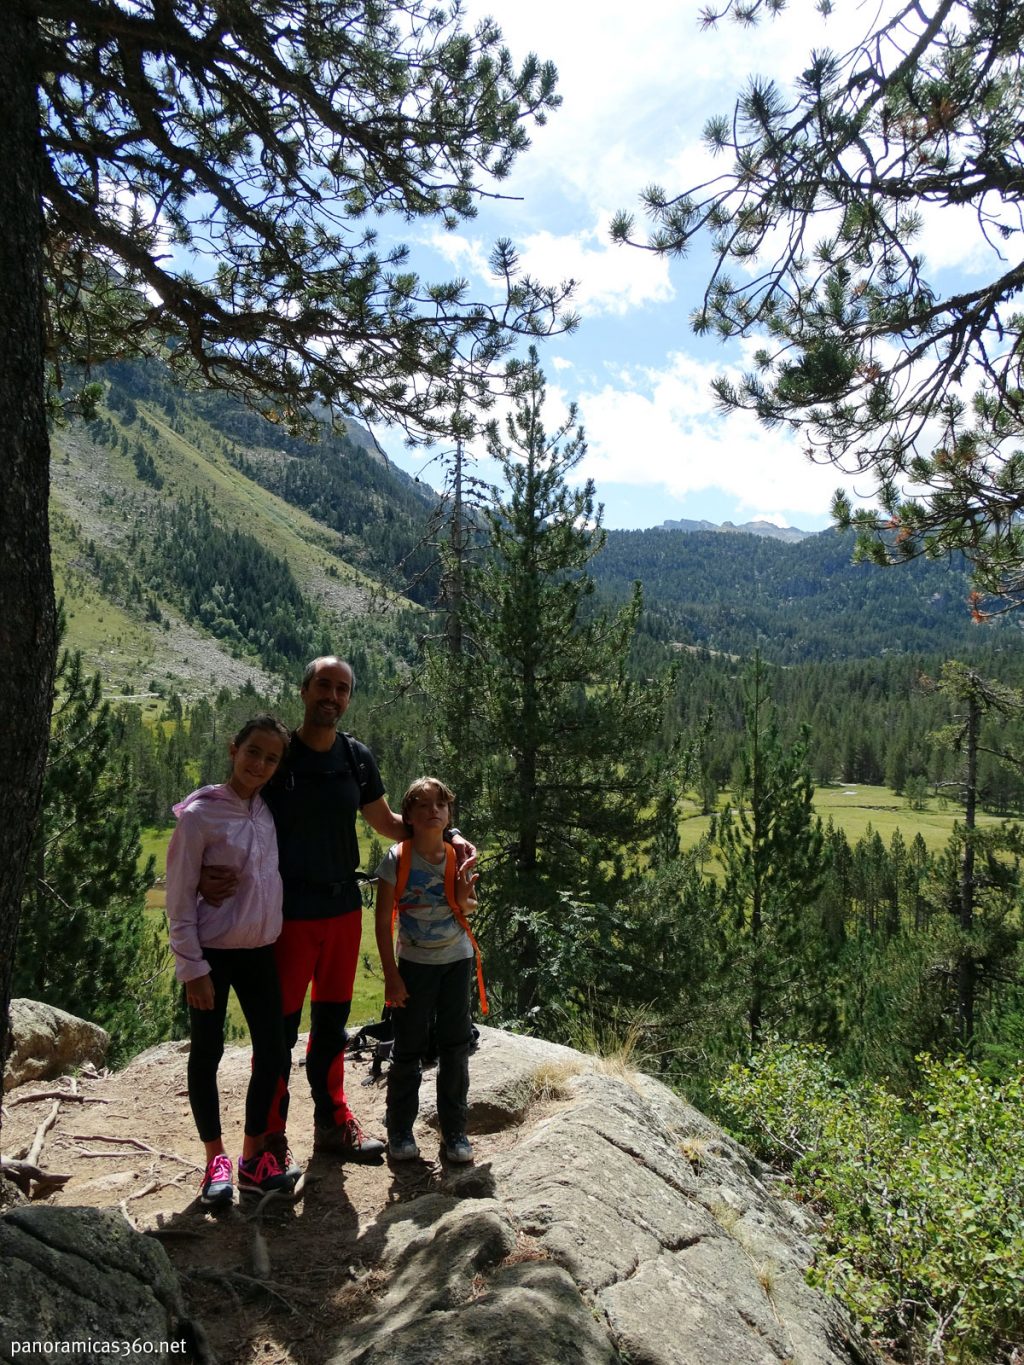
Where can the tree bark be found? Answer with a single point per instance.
(27, 624)
(967, 966)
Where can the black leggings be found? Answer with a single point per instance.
(253, 974)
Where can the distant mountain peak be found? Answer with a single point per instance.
(791, 534)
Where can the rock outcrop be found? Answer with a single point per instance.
(45, 1042)
(82, 1281)
(624, 1226)
(604, 1220)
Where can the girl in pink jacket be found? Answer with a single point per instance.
(231, 945)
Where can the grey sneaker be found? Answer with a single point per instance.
(458, 1149)
(277, 1145)
(217, 1190)
(402, 1147)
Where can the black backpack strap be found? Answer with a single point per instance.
(357, 765)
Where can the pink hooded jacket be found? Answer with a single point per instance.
(216, 826)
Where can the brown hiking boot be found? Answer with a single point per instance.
(348, 1141)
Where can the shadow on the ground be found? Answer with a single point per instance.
(279, 1279)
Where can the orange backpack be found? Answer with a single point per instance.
(404, 863)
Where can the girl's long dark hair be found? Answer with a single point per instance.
(265, 722)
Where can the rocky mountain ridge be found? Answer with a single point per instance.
(790, 534)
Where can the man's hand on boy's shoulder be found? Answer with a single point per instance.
(465, 887)
(465, 852)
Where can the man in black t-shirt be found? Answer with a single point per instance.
(325, 780)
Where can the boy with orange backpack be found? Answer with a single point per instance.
(419, 887)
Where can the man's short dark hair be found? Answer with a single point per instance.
(310, 671)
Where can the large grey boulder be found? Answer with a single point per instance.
(83, 1276)
(669, 1229)
(457, 1294)
(622, 1226)
(46, 1041)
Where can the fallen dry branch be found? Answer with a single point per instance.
(106, 1156)
(61, 1095)
(36, 1150)
(137, 1143)
(150, 1187)
(31, 1179)
(27, 1174)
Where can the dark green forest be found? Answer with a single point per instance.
(341, 480)
(796, 603)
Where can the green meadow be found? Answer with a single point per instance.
(855, 809)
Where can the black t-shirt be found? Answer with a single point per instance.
(314, 798)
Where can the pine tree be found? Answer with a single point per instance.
(979, 872)
(863, 347)
(553, 735)
(85, 943)
(771, 847)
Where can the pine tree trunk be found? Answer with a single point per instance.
(456, 581)
(966, 967)
(27, 635)
(756, 1002)
(526, 854)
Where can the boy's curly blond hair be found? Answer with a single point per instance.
(420, 787)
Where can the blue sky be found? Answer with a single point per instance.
(638, 83)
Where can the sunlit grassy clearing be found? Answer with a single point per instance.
(854, 807)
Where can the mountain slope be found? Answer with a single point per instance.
(199, 546)
(177, 565)
(796, 602)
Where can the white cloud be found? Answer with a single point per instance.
(638, 82)
(610, 279)
(466, 254)
(662, 427)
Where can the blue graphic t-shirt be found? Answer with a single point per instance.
(427, 929)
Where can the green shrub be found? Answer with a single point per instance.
(923, 1197)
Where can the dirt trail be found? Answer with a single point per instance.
(129, 1141)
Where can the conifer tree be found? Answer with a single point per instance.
(980, 867)
(771, 847)
(85, 944)
(552, 733)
